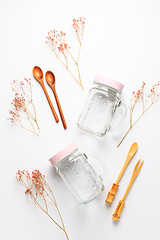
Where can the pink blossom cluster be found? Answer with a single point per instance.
(13, 115)
(78, 24)
(21, 83)
(28, 80)
(153, 90)
(21, 106)
(139, 92)
(18, 101)
(56, 41)
(35, 179)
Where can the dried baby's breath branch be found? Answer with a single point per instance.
(56, 41)
(21, 103)
(39, 193)
(147, 101)
(78, 25)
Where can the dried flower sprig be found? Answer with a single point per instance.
(21, 106)
(147, 101)
(38, 192)
(57, 42)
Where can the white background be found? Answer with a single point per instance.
(121, 41)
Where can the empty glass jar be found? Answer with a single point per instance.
(102, 104)
(80, 172)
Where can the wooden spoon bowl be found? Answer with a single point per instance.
(38, 73)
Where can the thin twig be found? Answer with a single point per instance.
(20, 104)
(140, 95)
(58, 44)
(36, 186)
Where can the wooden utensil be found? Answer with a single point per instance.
(50, 78)
(121, 203)
(112, 192)
(38, 74)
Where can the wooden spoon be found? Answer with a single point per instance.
(112, 192)
(50, 78)
(131, 153)
(38, 74)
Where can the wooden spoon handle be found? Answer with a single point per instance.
(124, 168)
(50, 103)
(60, 109)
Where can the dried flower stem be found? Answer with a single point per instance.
(80, 46)
(37, 192)
(56, 41)
(21, 102)
(139, 95)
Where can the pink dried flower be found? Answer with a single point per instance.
(78, 24)
(136, 97)
(38, 192)
(21, 102)
(57, 42)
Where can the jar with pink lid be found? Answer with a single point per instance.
(83, 173)
(103, 110)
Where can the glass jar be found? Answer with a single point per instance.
(101, 106)
(79, 172)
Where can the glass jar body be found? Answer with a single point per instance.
(99, 109)
(79, 176)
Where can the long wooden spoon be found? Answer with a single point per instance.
(131, 153)
(50, 78)
(38, 74)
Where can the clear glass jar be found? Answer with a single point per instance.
(77, 171)
(102, 103)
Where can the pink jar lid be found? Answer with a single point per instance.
(109, 82)
(60, 155)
